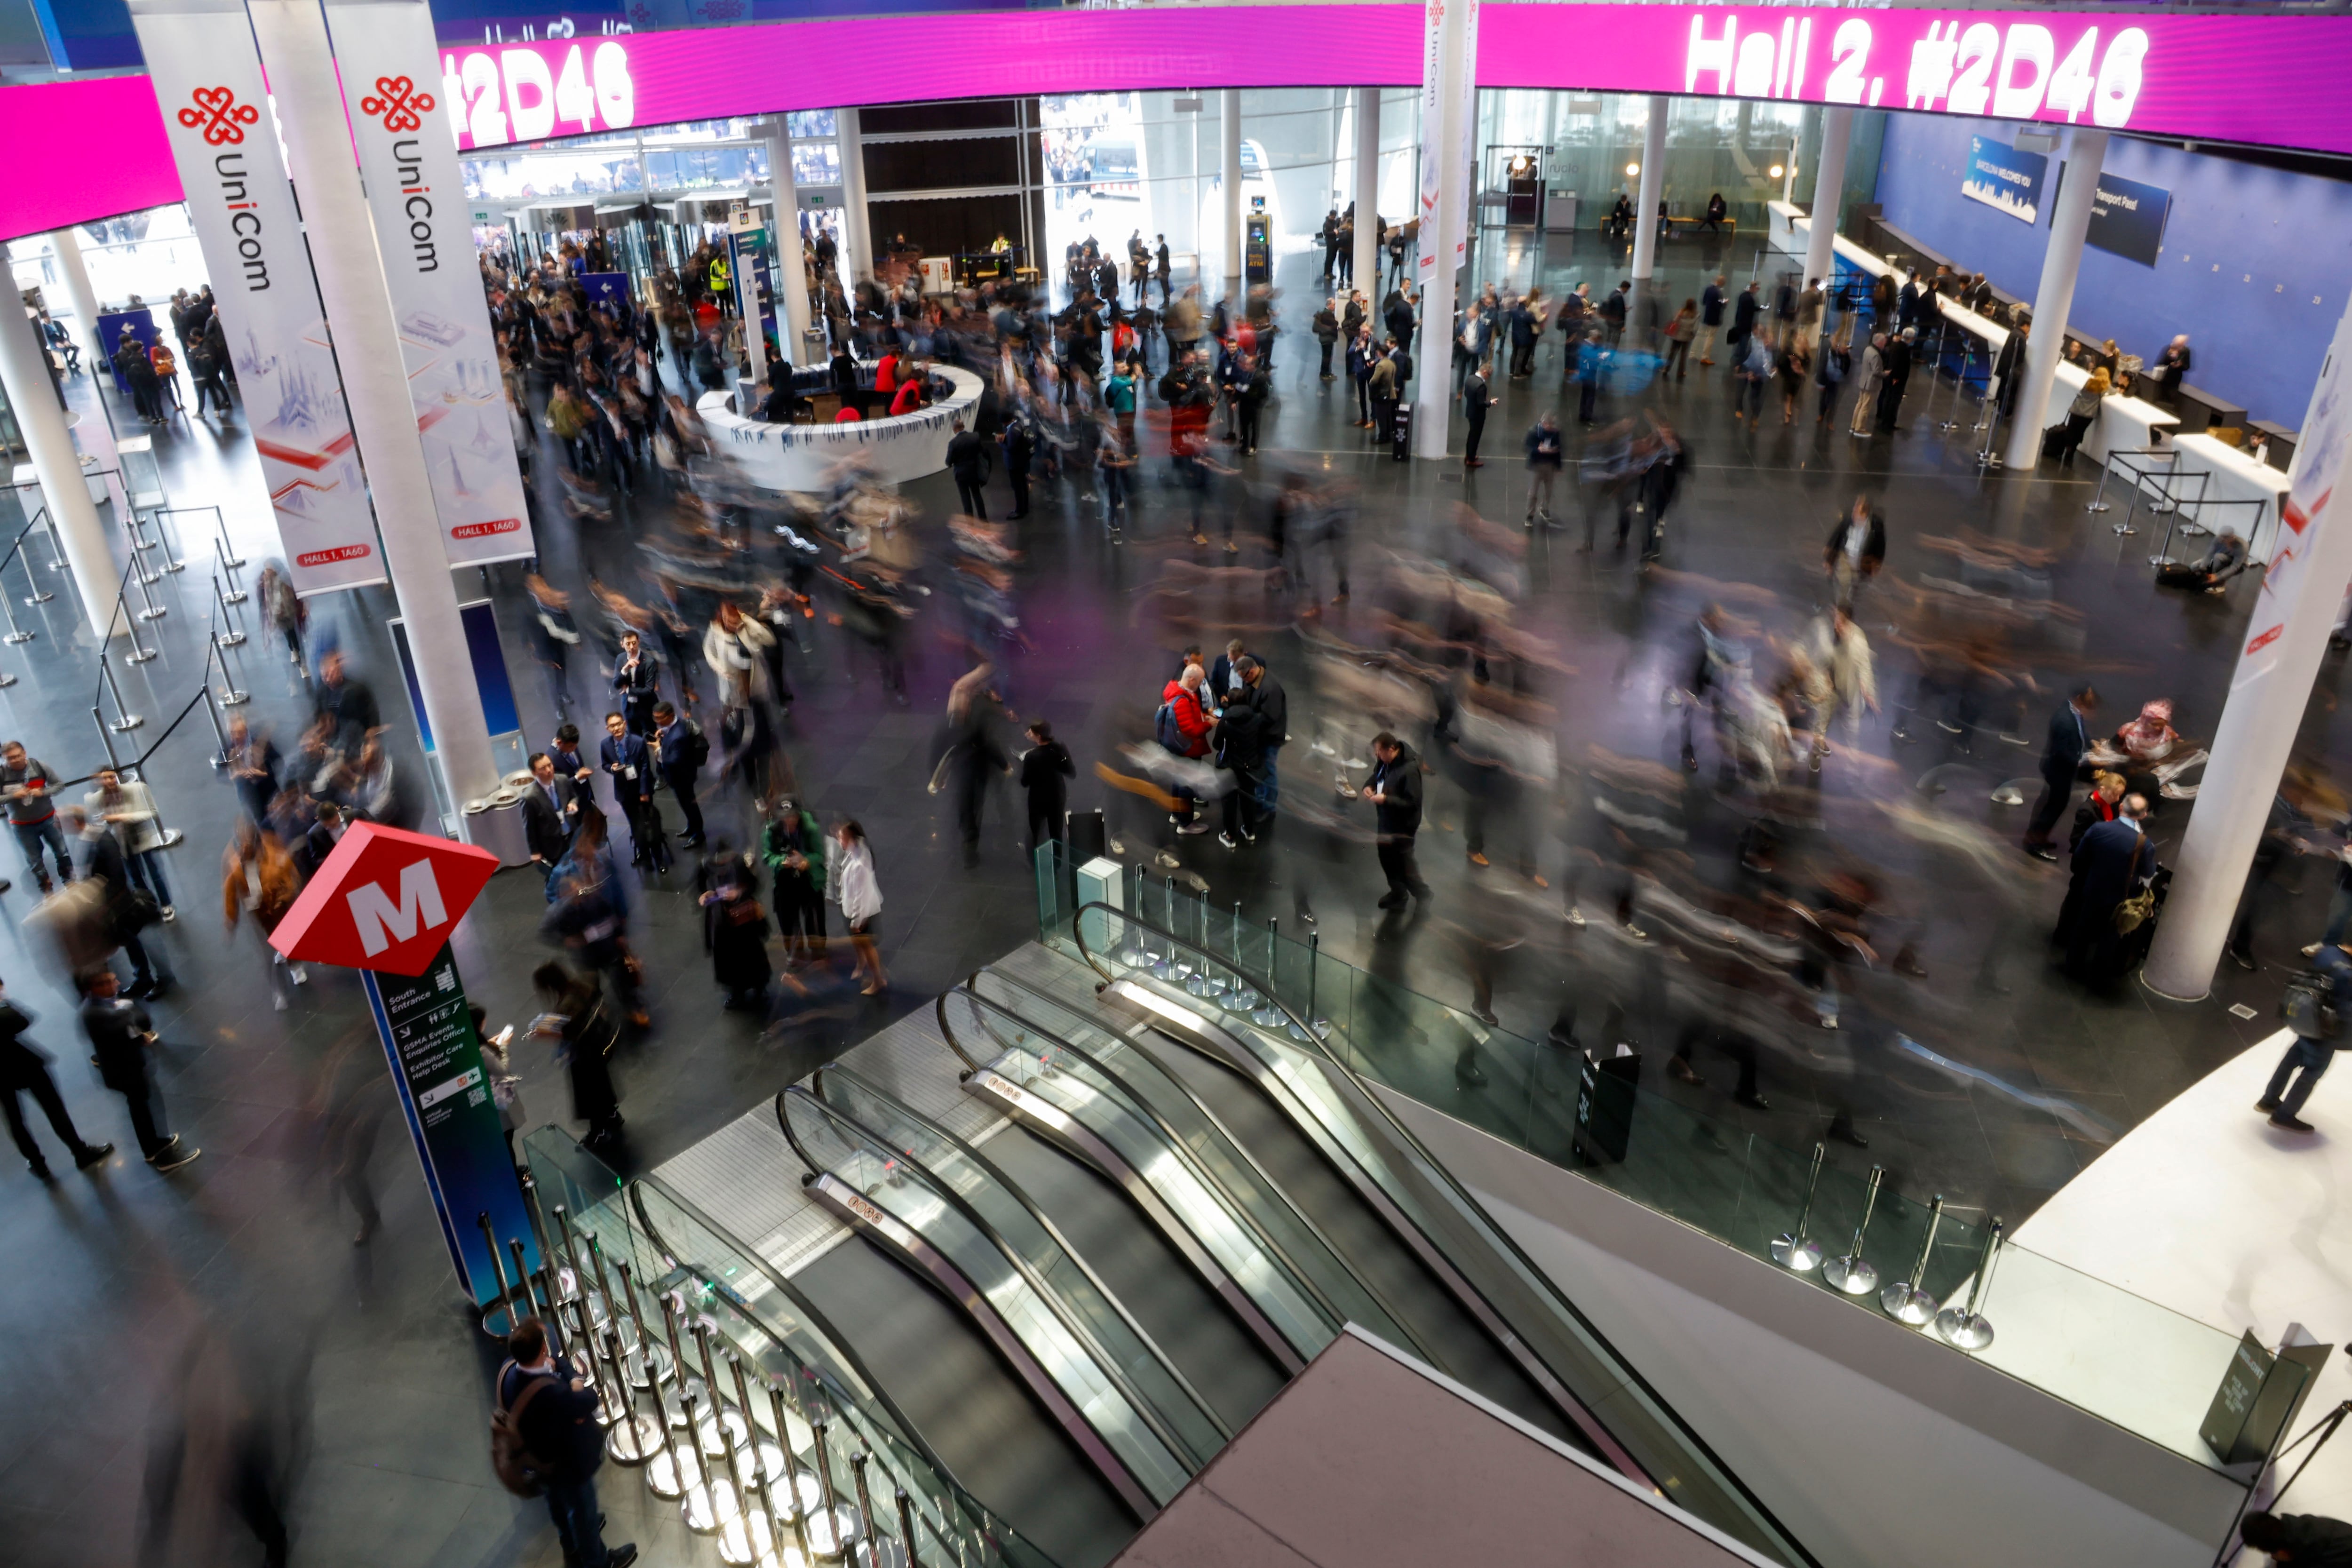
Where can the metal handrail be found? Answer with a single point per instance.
(1169, 1135)
(1302, 1031)
(1110, 1366)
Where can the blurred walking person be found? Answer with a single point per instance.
(122, 1038)
(859, 893)
(25, 1070)
(258, 883)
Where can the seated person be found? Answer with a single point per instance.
(2223, 561)
(909, 396)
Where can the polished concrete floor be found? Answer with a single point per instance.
(139, 1307)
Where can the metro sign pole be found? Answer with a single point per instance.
(384, 904)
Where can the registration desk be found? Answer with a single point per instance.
(801, 457)
(2124, 424)
(2238, 492)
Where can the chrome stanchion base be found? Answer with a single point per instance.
(1904, 1305)
(673, 1411)
(2123, 529)
(233, 698)
(128, 720)
(1244, 1000)
(150, 578)
(801, 1495)
(2099, 506)
(229, 639)
(6, 681)
(38, 598)
(831, 1534)
(1322, 1027)
(1800, 1256)
(18, 637)
(749, 1540)
(169, 836)
(882, 1552)
(156, 614)
(138, 654)
(728, 1430)
(634, 1440)
(706, 1507)
(670, 1472)
(176, 565)
(640, 1363)
(1198, 984)
(1969, 1330)
(1854, 1276)
(1267, 1017)
(765, 1460)
(238, 597)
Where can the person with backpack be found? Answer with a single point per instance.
(544, 1442)
(2313, 1008)
(1181, 726)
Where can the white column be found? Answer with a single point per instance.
(293, 38)
(1645, 206)
(1367, 261)
(1229, 138)
(1448, 114)
(25, 373)
(747, 300)
(856, 235)
(785, 254)
(2062, 258)
(1829, 192)
(2268, 690)
(77, 289)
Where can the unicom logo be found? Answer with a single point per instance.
(381, 922)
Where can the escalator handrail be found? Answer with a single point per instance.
(1110, 1366)
(1501, 1238)
(826, 1378)
(1014, 1189)
(1333, 1317)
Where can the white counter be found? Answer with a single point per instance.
(2124, 424)
(801, 457)
(2235, 476)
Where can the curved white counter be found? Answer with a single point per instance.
(801, 457)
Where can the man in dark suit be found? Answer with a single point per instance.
(1268, 696)
(551, 810)
(629, 763)
(120, 1033)
(679, 752)
(1855, 551)
(552, 1406)
(637, 678)
(968, 461)
(2111, 863)
(25, 1070)
(1394, 790)
(2062, 764)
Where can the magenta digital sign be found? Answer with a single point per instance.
(88, 148)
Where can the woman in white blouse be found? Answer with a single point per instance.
(860, 896)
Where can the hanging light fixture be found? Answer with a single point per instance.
(1633, 171)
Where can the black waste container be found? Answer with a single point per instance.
(1604, 1106)
(1401, 432)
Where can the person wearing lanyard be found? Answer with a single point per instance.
(2062, 762)
(1394, 790)
(631, 767)
(550, 808)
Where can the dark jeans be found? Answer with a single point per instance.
(2048, 809)
(147, 1123)
(44, 1091)
(2311, 1056)
(573, 1508)
(33, 835)
(146, 869)
(969, 497)
(681, 786)
(1477, 427)
(1242, 811)
(1398, 866)
(1047, 819)
(1326, 359)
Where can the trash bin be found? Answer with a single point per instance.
(1401, 432)
(1604, 1106)
(495, 823)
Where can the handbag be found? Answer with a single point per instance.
(2140, 908)
(140, 910)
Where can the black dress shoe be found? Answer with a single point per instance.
(2242, 960)
(1394, 901)
(1755, 1101)
(40, 1170)
(91, 1153)
(2266, 1105)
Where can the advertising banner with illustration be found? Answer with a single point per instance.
(208, 79)
(2006, 179)
(2127, 219)
(424, 230)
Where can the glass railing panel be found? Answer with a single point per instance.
(902, 1188)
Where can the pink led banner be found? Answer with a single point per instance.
(86, 150)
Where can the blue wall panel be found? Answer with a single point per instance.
(2255, 265)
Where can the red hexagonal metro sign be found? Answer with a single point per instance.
(385, 900)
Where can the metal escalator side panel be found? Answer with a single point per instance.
(1036, 1248)
(1381, 1317)
(1083, 1142)
(1275, 1077)
(901, 1241)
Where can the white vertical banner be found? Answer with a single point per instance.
(1466, 192)
(1433, 145)
(391, 83)
(207, 79)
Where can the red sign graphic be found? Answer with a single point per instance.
(386, 898)
(485, 530)
(328, 557)
(224, 118)
(400, 105)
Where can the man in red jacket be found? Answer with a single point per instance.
(1189, 719)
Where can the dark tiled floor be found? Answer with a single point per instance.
(245, 1255)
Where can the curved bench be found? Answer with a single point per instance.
(801, 457)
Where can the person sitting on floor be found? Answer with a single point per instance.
(2213, 573)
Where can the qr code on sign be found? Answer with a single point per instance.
(476, 1096)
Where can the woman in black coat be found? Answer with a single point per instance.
(735, 926)
(575, 1018)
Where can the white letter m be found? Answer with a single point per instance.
(381, 922)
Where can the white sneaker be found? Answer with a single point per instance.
(170, 914)
(1575, 917)
(2312, 952)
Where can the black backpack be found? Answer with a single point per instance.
(2309, 1008)
(697, 745)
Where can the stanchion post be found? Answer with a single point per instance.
(138, 654)
(232, 636)
(906, 1525)
(231, 694)
(132, 575)
(632, 1432)
(1853, 1274)
(226, 550)
(18, 634)
(530, 1299)
(794, 1501)
(220, 761)
(1904, 1300)
(1794, 1250)
(498, 1269)
(174, 559)
(1967, 1328)
(57, 558)
(2099, 500)
(125, 720)
(98, 718)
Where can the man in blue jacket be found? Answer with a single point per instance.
(554, 1413)
(629, 763)
(2061, 761)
